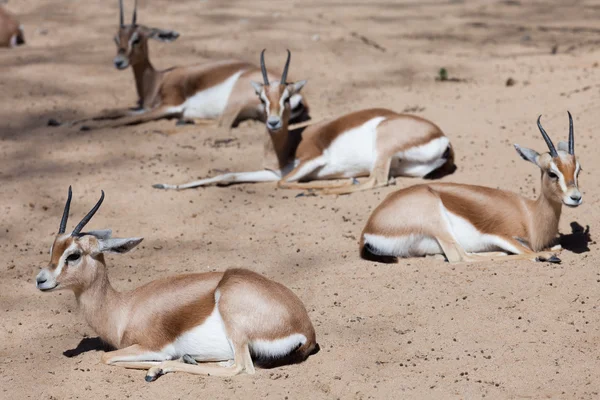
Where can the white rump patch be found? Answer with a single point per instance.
(211, 102)
(420, 160)
(279, 347)
(403, 246)
(206, 342)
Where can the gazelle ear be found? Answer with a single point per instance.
(528, 154)
(164, 35)
(563, 146)
(99, 234)
(118, 246)
(296, 87)
(258, 87)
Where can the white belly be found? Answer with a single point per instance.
(472, 240)
(210, 103)
(418, 161)
(351, 154)
(206, 342)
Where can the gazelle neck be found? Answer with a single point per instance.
(546, 216)
(99, 303)
(280, 146)
(145, 80)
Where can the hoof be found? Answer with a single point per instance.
(85, 128)
(53, 122)
(159, 186)
(554, 260)
(151, 377)
(182, 122)
(189, 360)
(355, 181)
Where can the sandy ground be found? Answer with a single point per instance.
(418, 329)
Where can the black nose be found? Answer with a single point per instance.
(575, 198)
(41, 280)
(273, 124)
(118, 63)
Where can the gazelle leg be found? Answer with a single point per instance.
(379, 177)
(157, 113)
(242, 362)
(325, 184)
(224, 179)
(228, 117)
(112, 113)
(134, 357)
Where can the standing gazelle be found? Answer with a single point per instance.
(460, 220)
(209, 317)
(215, 90)
(11, 31)
(377, 143)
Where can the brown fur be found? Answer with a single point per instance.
(534, 223)
(156, 314)
(159, 91)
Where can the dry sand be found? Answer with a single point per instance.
(418, 329)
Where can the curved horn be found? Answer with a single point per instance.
(134, 19)
(285, 69)
(571, 136)
(551, 147)
(121, 19)
(263, 68)
(87, 218)
(65, 217)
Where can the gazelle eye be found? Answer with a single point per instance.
(73, 257)
(552, 175)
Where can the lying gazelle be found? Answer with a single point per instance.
(209, 317)
(11, 32)
(215, 90)
(463, 222)
(377, 143)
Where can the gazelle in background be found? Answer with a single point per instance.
(11, 31)
(208, 317)
(460, 221)
(377, 143)
(215, 90)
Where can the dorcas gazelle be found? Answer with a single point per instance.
(215, 90)
(377, 143)
(231, 317)
(473, 223)
(11, 31)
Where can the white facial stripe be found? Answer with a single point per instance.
(561, 178)
(284, 96)
(263, 96)
(63, 258)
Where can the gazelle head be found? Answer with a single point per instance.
(560, 168)
(282, 101)
(132, 40)
(76, 259)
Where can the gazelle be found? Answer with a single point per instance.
(11, 32)
(209, 317)
(377, 143)
(460, 221)
(215, 90)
